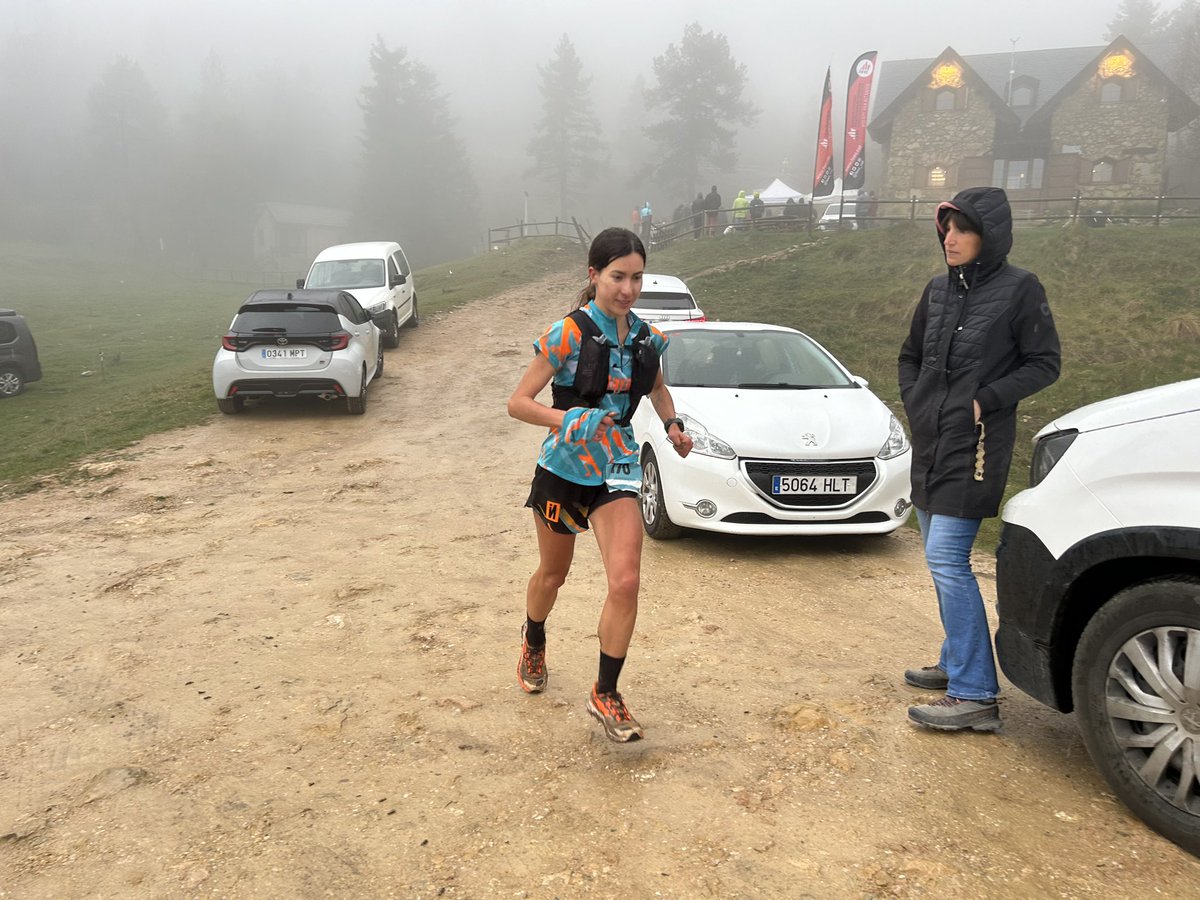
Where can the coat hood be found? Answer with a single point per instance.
(988, 210)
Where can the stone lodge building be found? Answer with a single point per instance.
(1040, 124)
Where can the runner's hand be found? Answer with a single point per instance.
(681, 441)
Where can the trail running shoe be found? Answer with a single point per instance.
(531, 667)
(928, 678)
(956, 714)
(610, 711)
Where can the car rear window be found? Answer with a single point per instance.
(665, 300)
(293, 320)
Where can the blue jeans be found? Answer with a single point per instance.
(966, 655)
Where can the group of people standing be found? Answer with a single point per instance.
(981, 339)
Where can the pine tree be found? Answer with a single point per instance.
(566, 147)
(383, 196)
(1138, 20)
(215, 174)
(416, 184)
(130, 143)
(700, 87)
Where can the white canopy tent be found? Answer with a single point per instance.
(777, 194)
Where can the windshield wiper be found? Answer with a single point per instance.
(779, 385)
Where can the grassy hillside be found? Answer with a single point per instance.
(1127, 302)
(127, 350)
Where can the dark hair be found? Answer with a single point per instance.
(960, 220)
(610, 244)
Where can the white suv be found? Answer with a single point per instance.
(1098, 594)
(377, 274)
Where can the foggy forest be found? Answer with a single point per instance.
(156, 131)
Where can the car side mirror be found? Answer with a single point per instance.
(397, 279)
(300, 283)
(860, 381)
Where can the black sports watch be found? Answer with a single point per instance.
(673, 421)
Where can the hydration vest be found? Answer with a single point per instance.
(591, 372)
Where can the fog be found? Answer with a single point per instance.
(294, 71)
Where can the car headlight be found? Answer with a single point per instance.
(1047, 451)
(897, 440)
(377, 308)
(703, 442)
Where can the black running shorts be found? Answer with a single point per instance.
(564, 505)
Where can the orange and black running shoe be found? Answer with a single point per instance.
(531, 667)
(610, 711)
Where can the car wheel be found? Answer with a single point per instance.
(11, 382)
(413, 320)
(391, 337)
(231, 406)
(358, 405)
(654, 509)
(1137, 696)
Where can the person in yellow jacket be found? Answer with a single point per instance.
(741, 210)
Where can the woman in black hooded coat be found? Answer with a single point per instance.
(982, 339)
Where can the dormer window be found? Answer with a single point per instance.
(1024, 92)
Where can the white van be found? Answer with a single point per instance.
(379, 277)
(829, 218)
(1098, 594)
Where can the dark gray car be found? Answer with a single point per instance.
(18, 354)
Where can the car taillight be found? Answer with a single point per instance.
(229, 342)
(700, 319)
(339, 340)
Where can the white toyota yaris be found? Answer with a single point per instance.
(787, 441)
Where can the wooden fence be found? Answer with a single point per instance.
(506, 234)
(1091, 211)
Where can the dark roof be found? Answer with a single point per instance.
(297, 214)
(337, 301)
(1053, 70)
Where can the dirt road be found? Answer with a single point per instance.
(273, 656)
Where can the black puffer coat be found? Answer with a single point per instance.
(982, 332)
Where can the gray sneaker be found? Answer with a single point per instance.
(927, 678)
(955, 714)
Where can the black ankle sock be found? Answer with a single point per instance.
(535, 632)
(610, 671)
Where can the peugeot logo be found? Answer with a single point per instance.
(282, 342)
(810, 439)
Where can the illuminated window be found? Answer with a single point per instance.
(937, 176)
(1102, 172)
(1117, 65)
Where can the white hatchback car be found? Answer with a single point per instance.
(377, 274)
(787, 441)
(298, 343)
(665, 298)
